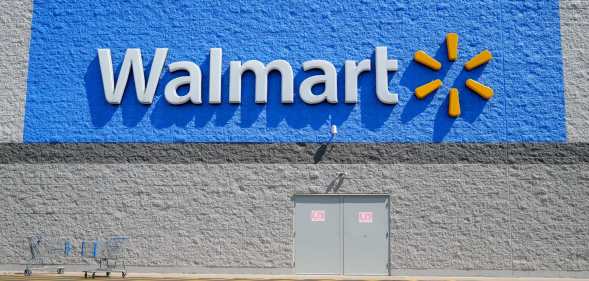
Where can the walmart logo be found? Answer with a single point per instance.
(114, 89)
(454, 100)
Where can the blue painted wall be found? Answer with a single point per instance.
(65, 102)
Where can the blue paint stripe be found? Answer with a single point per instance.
(65, 102)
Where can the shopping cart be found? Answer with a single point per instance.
(109, 255)
(44, 251)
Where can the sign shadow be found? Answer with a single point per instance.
(417, 75)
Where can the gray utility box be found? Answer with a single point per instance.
(341, 234)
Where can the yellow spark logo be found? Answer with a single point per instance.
(483, 91)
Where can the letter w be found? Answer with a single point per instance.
(132, 59)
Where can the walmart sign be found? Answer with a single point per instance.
(328, 79)
(253, 71)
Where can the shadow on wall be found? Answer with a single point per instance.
(374, 114)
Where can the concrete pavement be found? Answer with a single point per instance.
(14, 276)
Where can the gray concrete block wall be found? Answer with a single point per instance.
(15, 33)
(574, 23)
(211, 216)
(500, 217)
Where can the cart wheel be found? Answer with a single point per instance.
(124, 274)
(108, 274)
(93, 275)
(85, 274)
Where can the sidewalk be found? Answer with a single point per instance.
(71, 276)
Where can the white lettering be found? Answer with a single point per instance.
(194, 79)
(383, 66)
(145, 92)
(133, 60)
(237, 69)
(352, 72)
(215, 62)
(329, 78)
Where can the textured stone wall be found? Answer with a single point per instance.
(461, 217)
(15, 32)
(494, 216)
(574, 23)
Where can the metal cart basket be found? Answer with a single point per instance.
(44, 251)
(110, 256)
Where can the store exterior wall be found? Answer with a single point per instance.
(573, 20)
(518, 208)
(502, 217)
(15, 33)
